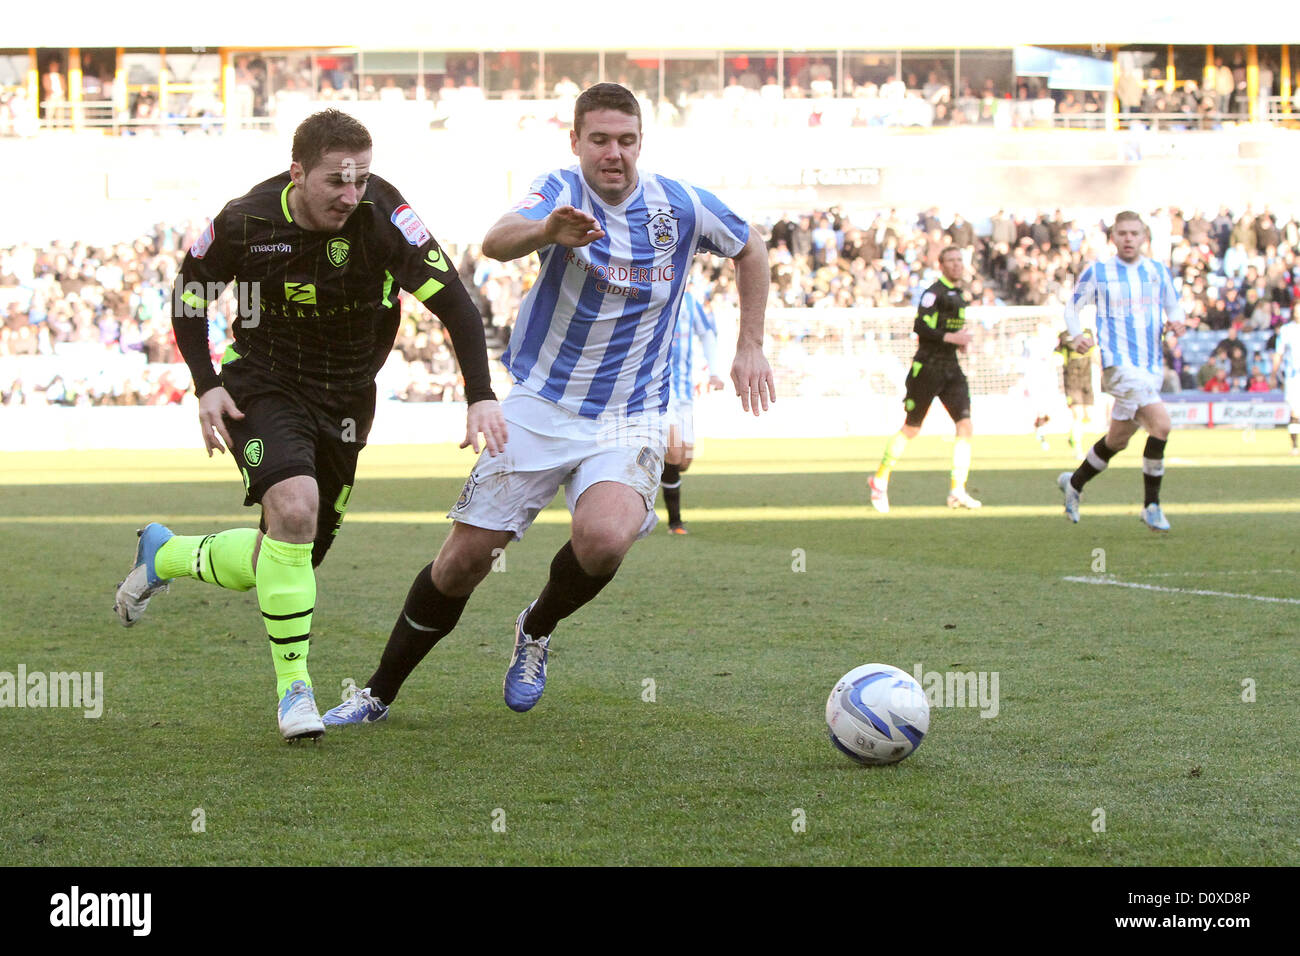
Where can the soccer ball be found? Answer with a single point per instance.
(877, 714)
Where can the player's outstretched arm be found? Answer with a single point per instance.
(750, 372)
(514, 236)
(215, 406)
(485, 418)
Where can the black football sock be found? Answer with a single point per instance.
(1153, 469)
(568, 589)
(1093, 464)
(427, 617)
(671, 483)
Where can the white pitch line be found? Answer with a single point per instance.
(1203, 593)
(1190, 574)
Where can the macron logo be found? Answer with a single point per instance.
(102, 909)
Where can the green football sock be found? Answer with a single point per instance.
(224, 559)
(893, 452)
(286, 592)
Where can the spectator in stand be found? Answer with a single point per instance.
(1243, 233)
(1218, 382)
(1173, 357)
(1221, 230)
(1129, 90)
(962, 232)
(1234, 353)
(1041, 233)
(53, 90)
(1234, 304)
(1224, 86)
(1197, 229)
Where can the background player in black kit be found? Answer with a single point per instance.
(320, 253)
(1076, 376)
(941, 328)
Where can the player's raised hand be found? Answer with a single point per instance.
(485, 418)
(215, 406)
(752, 377)
(567, 226)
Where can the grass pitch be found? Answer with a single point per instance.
(683, 721)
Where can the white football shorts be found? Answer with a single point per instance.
(1132, 388)
(681, 415)
(1291, 394)
(549, 447)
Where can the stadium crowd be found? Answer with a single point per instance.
(103, 311)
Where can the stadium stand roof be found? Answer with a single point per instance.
(667, 24)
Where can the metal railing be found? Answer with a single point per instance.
(103, 115)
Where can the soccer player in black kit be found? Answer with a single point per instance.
(941, 328)
(319, 254)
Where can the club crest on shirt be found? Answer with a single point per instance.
(927, 300)
(662, 229)
(338, 250)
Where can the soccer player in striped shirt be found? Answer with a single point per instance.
(1132, 295)
(1286, 372)
(589, 359)
(693, 322)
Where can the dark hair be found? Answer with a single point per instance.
(948, 249)
(325, 131)
(605, 96)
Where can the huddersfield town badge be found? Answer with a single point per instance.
(466, 493)
(663, 230)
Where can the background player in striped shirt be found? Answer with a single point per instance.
(1130, 293)
(1286, 371)
(325, 247)
(693, 322)
(589, 357)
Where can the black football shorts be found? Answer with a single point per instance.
(930, 378)
(290, 430)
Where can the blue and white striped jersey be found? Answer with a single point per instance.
(693, 322)
(594, 332)
(1129, 300)
(1288, 347)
